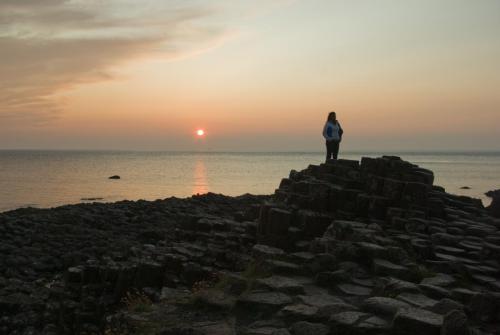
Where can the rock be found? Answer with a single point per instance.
(440, 279)
(261, 251)
(264, 300)
(383, 306)
(416, 299)
(282, 331)
(344, 321)
(115, 177)
(149, 274)
(383, 267)
(463, 295)
(485, 306)
(373, 325)
(494, 207)
(307, 328)
(415, 321)
(465, 188)
(218, 327)
(282, 267)
(216, 298)
(396, 286)
(379, 235)
(313, 223)
(322, 262)
(193, 272)
(434, 292)
(328, 278)
(235, 283)
(279, 221)
(493, 193)
(355, 290)
(173, 295)
(444, 306)
(455, 323)
(299, 312)
(282, 284)
(325, 304)
(357, 323)
(266, 327)
(320, 301)
(74, 274)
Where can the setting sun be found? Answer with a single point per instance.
(200, 132)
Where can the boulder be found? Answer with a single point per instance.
(494, 207)
(307, 328)
(267, 301)
(299, 312)
(282, 284)
(416, 321)
(383, 306)
(455, 323)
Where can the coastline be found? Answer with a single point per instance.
(46, 179)
(336, 245)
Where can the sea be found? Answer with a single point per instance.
(45, 179)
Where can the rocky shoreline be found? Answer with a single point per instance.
(346, 247)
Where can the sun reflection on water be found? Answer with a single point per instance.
(200, 183)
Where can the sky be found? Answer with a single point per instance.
(260, 75)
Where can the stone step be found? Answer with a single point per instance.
(261, 251)
(297, 312)
(384, 306)
(416, 321)
(304, 328)
(353, 322)
(353, 290)
(263, 301)
(282, 284)
(450, 250)
(300, 257)
(440, 279)
(417, 300)
(284, 268)
(383, 267)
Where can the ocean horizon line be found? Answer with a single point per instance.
(354, 151)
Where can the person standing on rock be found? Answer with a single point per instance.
(332, 132)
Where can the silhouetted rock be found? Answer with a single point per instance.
(455, 323)
(92, 199)
(494, 207)
(115, 177)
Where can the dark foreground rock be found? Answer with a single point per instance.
(63, 269)
(494, 207)
(347, 247)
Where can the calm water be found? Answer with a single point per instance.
(52, 178)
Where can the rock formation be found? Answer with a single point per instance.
(494, 207)
(346, 247)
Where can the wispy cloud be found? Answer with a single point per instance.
(47, 46)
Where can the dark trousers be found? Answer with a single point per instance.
(332, 149)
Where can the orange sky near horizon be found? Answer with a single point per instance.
(422, 75)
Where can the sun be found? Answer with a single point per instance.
(200, 132)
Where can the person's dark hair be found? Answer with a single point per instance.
(332, 116)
